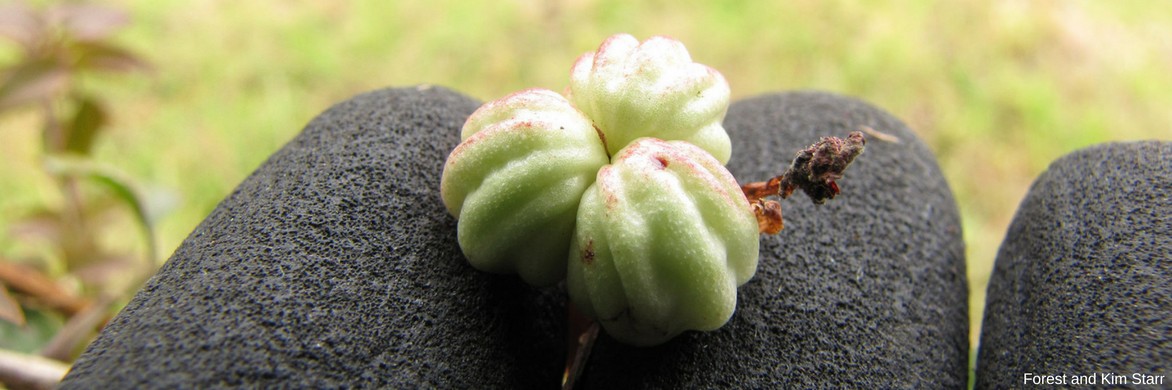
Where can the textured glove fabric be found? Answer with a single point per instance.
(1081, 282)
(336, 265)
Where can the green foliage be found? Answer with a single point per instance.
(39, 327)
(59, 47)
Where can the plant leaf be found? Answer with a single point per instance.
(87, 22)
(10, 309)
(39, 328)
(101, 272)
(32, 81)
(38, 224)
(77, 330)
(106, 57)
(22, 24)
(84, 127)
(120, 184)
(34, 283)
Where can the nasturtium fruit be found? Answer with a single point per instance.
(620, 183)
(664, 238)
(515, 180)
(651, 89)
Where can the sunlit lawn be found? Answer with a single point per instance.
(998, 89)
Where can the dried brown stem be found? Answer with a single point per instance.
(33, 283)
(583, 331)
(813, 170)
(879, 135)
(762, 189)
(768, 213)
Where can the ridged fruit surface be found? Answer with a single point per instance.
(651, 89)
(664, 238)
(515, 182)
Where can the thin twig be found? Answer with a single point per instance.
(23, 371)
(78, 330)
(10, 309)
(578, 365)
(885, 137)
(35, 284)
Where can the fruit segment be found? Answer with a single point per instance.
(664, 238)
(516, 180)
(651, 89)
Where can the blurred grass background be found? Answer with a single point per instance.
(998, 89)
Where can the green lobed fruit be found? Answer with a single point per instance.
(651, 89)
(660, 239)
(664, 238)
(515, 181)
